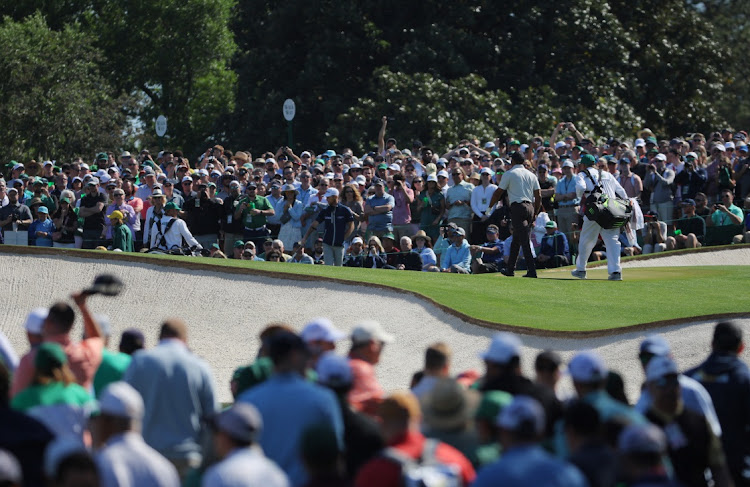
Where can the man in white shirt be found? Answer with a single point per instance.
(480, 203)
(591, 230)
(243, 463)
(124, 459)
(169, 232)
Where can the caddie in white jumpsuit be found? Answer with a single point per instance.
(591, 230)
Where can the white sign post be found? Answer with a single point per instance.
(289, 109)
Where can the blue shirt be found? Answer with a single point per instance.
(567, 185)
(493, 258)
(177, 390)
(555, 244)
(289, 404)
(524, 466)
(41, 226)
(460, 256)
(382, 221)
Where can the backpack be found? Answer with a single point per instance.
(607, 212)
(162, 240)
(427, 471)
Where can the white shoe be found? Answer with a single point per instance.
(615, 276)
(578, 274)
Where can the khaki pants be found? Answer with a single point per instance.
(566, 216)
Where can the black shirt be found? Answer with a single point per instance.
(21, 211)
(95, 221)
(204, 218)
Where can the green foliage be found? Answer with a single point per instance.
(54, 102)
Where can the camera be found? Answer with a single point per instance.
(716, 207)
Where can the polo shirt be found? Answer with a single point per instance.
(460, 256)
(95, 221)
(382, 221)
(127, 460)
(23, 212)
(401, 210)
(63, 409)
(336, 219)
(112, 368)
(530, 465)
(258, 203)
(721, 219)
(691, 224)
(366, 392)
(520, 184)
(245, 466)
(567, 185)
(459, 192)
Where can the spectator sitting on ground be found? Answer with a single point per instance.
(554, 251)
(491, 260)
(299, 256)
(408, 259)
(355, 255)
(654, 233)
(689, 230)
(457, 258)
(745, 235)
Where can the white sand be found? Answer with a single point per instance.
(225, 313)
(740, 256)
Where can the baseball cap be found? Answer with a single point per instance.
(370, 330)
(655, 344)
(432, 177)
(10, 469)
(334, 370)
(442, 162)
(357, 240)
(394, 167)
(171, 206)
(491, 404)
(659, 367)
(442, 174)
(559, 145)
(242, 422)
(332, 192)
(588, 160)
(378, 182)
(58, 450)
(43, 209)
(691, 155)
(321, 329)
(360, 180)
(640, 143)
(660, 157)
(567, 164)
(459, 231)
(116, 215)
(550, 224)
(742, 147)
(522, 413)
(12, 190)
(489, 145)
(587, 367)
(688, 202)
(35, 320)
(642, 438)
(49, 356)
(503, 348)
(486, 170)
(93, 182)
(122, 400)
(729, 145)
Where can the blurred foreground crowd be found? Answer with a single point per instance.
(77, 413)
(412, 208)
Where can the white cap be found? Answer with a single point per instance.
(640, 143)
(486, 170)
(660, 157)
(47, 163)
(104, 178)
(100, 173)
(587, 367)
(567, 164)
(125, 154)
(442, 161)
(93, 182)
(659, 367)
(357, 240)
(522, 411)
(305, 153)
(729, 145)
(692, 154)
(394, 167)
(560, 144)
(503, 348)
(202, 172)
(720, 148)
(432, 177)
(35, 320)
(370, 330)
(523, 147)
(122, 400)
(489, 145)
(334, 370)
(271, 160)
(18, 166)
(242, 421)
(443, 174)
(360, 180)
(187, 178)
(332, 192)
(321, 329)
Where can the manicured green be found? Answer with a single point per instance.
(556, 301)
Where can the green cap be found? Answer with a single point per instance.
(578, 148)
(514, 142)
(495, 153)
(171, 206)
(102, 156)
(651, 140)
(65, 200)
(49, 356)
(653, 150)
(382, 166)
(320, 161)
(238, 244)
(491, 404)
(588, 160)
(390, 235)
(253, 374)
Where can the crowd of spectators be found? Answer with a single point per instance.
(308, 412)
(412, 208)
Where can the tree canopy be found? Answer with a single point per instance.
(221, 69)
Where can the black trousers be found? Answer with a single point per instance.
(522, 220)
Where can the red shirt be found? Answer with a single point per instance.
(383, 472)
(366, 393)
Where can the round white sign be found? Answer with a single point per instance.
(161, 125)
(289, 109)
